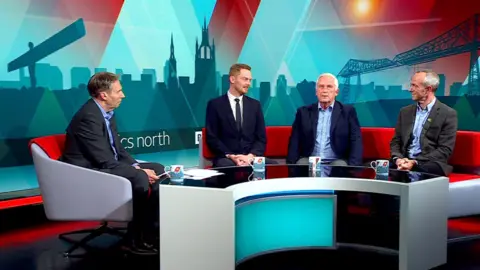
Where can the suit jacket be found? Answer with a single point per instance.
(224, 138)
(345, 134)
(437, 139)
(87, 143)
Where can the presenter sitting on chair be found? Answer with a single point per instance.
(92, 142)
(426, 131)
(327, 128)
(235, 127)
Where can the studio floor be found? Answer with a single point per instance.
(28, 241)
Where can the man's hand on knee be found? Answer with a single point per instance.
(152, 176)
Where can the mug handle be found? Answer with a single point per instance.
(251, 176)
(167, 169)
(373, 164)
(250, 161)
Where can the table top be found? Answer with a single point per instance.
(241, 174)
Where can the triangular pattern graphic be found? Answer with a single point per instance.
(14, 19)
(159, 117)
(117, 54)
(127, 113)
(48, 118)
(265, 39)
(296, 99)
(227, 15)
(203, 10)
(282, 70)
(4, 149)
(366, 119)
(71, 101)
(468, 119)
(275, 114)
(16, 127)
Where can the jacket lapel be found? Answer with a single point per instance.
(409, 121)
(431, 117)
(100, 117)
(314, 118)
(246, 110)
(227, 110)
(113, 128)
(337, 110)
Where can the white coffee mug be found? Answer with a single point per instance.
(175, 172)
(258, 163)
(314, 163)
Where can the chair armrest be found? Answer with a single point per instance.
(70, 192)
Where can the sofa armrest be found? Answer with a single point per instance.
(74, 193)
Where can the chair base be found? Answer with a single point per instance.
(92, 234)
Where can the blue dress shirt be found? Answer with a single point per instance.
(322, 141)
(420, 117)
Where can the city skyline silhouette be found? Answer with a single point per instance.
(177, 103)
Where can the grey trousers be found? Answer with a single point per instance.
(337, 162)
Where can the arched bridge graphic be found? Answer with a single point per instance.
(463, 38)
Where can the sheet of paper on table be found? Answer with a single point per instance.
(198, 174)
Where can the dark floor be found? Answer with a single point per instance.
(29, 241)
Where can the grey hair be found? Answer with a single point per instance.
(431, 79)
(329, 75)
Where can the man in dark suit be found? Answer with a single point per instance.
(327, 128)
(92, 142)
(235, 127)
(426, 131)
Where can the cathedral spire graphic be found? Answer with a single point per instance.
(172, 81)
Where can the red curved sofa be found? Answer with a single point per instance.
(464, 187)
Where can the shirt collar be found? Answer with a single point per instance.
(330, 107)
(232, 97)
(429, 106)
(106, 115)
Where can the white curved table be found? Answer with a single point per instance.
(197, 224)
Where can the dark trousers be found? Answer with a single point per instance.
(226, 162)
(145, 202)
(430, 167)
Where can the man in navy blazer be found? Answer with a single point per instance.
(328, 129)
(235, 126)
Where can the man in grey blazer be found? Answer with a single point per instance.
(426, 131)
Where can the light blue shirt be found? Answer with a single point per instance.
(420, 117)
(107, 116)
(322, 141)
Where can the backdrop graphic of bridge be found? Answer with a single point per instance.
(460, 39)
(158, 108)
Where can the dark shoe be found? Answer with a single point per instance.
(149, 246)
(138, 248)
(153, 242)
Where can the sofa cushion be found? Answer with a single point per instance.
(465, 153)
(277, 141)
(205, 150)
(376, 143)
(457, 177)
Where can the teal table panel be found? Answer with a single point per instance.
(287, 222)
